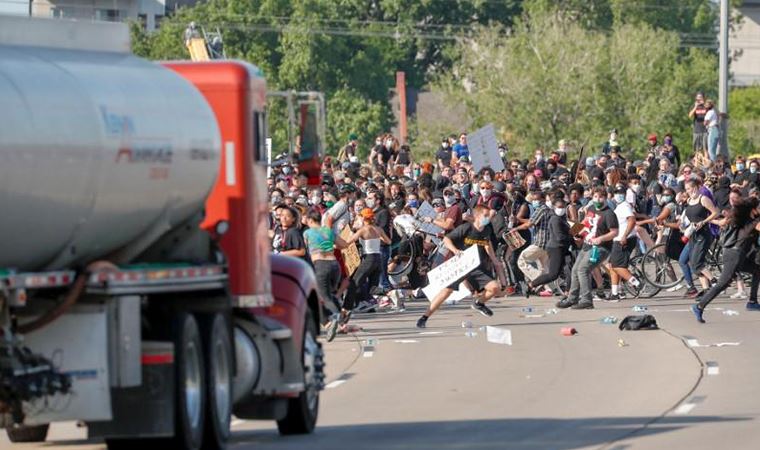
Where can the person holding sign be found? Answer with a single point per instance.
(478, 232)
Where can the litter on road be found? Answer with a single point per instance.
(496, 335)
(568, 331)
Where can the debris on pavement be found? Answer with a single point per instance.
(622, 343)
(608, 320)
(568, 331)
(496, 335)
(730, 312)
(640, 308)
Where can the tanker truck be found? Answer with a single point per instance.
(138, 294)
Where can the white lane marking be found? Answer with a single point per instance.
(685, 408)
(431, 332)
(692, 343)
(335, 384)
(368, 354)
(713, 370)
(406, 341)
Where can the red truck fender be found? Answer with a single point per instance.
(294, 289)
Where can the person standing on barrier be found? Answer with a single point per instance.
(598, 243)
(738, 236)
(478, 232)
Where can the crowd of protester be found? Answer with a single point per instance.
(559, 224)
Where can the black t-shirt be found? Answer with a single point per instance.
(466, 235)
(290, 239)
(383, 220)
(444, 154)
(699, 119)
(606, 220)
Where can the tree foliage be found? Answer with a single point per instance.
(553, 78)
(744, 132)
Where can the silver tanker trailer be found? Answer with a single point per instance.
(115, 307)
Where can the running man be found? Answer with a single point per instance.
(478, 232)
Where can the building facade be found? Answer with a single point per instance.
(149, 12)
(744, 44)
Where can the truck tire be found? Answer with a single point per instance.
(219, 371)
(191, 383)
(304, 410)
(36, 433)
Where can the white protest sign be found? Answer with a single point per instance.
(452, 270)
(484, 149)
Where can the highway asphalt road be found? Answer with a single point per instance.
(392, 386)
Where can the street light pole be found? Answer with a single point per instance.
(723, 78)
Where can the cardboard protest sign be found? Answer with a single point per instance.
(426, 210)
(351, 256)
(451, 270)
(484, 149)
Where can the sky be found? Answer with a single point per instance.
(20, 7)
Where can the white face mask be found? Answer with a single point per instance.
(317, 199)
(619, 198)
(486, 177)
(445, 145)
(549, 203)
(636, 188)
(539, 157)
(485, 193)
(559, 211)
(370, 203)
(449, 200)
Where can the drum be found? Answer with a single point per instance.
(514, 240)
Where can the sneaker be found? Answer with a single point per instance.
(599, 297)
(566, 303)
(677, 287)
(346, 317)
(528, 291)
(753, 306)
(613, 298)
(739, 295)
(546, 293)
(583, 305)
(713, 281)
(691, 292)
(422, 322)
(331, 327)
(365, 307)
(697, 313)
(482, 309)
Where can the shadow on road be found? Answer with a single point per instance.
(528, 433)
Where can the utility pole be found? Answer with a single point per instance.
(723, 78)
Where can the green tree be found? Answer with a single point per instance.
(552, 79)
(744, 125)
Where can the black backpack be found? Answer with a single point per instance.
(642, 322)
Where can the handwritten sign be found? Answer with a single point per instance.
(484, 149)
(452, 270)
(426, 210)
(350, 254)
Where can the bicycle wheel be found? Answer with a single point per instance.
(402, 263)
(659, 270)
(645, 289)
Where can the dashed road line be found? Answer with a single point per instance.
(685, 408)
(335, 384)
(712, 368)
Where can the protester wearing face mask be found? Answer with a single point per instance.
(480, 233)
(622, 245)
(443, 155)
(535, 253)
(557, 246)
(601, 228)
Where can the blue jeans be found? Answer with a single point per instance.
(683, 261)
(385, 255)
(713, 137)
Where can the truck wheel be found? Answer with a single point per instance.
(191, 384)
(303, 410)
(37, 433)
(218, 352)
